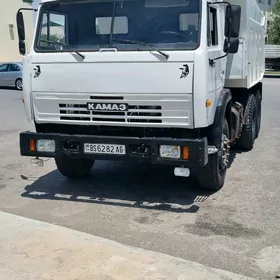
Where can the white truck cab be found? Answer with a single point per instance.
(173, 82)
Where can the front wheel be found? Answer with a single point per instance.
(18, 84)
(73, 168)
(212, 176)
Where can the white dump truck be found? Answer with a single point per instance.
(174, 82)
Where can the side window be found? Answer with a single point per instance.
(13, 68)
(4, 68)
(53, 29)
(212, 30)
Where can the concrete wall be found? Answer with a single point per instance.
(8, 29)
(266, 5)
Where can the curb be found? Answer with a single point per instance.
(272, 76)
(37, 250)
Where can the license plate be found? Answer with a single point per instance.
(109, 149)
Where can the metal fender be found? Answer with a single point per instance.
(222, 110)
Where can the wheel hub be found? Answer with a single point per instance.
(19, 84)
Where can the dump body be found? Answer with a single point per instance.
(246, 68)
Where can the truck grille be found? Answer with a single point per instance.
(135, 113)
(79, 112)
(149, 110)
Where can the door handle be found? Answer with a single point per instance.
(222, 74)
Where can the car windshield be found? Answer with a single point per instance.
(92, 25)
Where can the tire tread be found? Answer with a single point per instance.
(247, 139)
(209, 177)
(73, 168)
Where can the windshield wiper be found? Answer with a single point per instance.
(143, 44)
(62, 44)
(112, 24)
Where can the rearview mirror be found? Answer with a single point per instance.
(21, 33)
(232, 30)
(231, 45)
(21, 30)
(22, 47)
(20, 26)
(232, 21)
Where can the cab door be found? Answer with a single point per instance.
(216, 73)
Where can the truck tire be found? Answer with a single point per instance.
(73, 168)
(249, 130)
(212, 176)
(259, 113)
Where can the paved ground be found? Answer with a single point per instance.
(236, 229)
(36, 250)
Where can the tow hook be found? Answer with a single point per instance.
(37, 162)
(140, 150)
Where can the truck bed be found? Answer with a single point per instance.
(247, 67)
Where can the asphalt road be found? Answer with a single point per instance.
(236, 229)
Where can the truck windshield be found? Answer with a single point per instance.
(91, 25)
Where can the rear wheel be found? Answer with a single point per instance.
(73, 168)
(18, 84)
(250, 130)
(259, 114)
(212, 176)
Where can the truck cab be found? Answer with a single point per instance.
(161, 81)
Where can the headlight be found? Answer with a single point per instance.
(45, 145)
(170, 151)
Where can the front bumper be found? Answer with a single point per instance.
(73, 145)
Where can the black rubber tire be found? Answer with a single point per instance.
(16, 84)
(73, 168)
(212, 177)
(259, 114)
(249, 131)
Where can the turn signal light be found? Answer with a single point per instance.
(208, 103)
(186, 152)
(32, 145)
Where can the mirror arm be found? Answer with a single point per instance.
(212, 61)
(27, 9)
